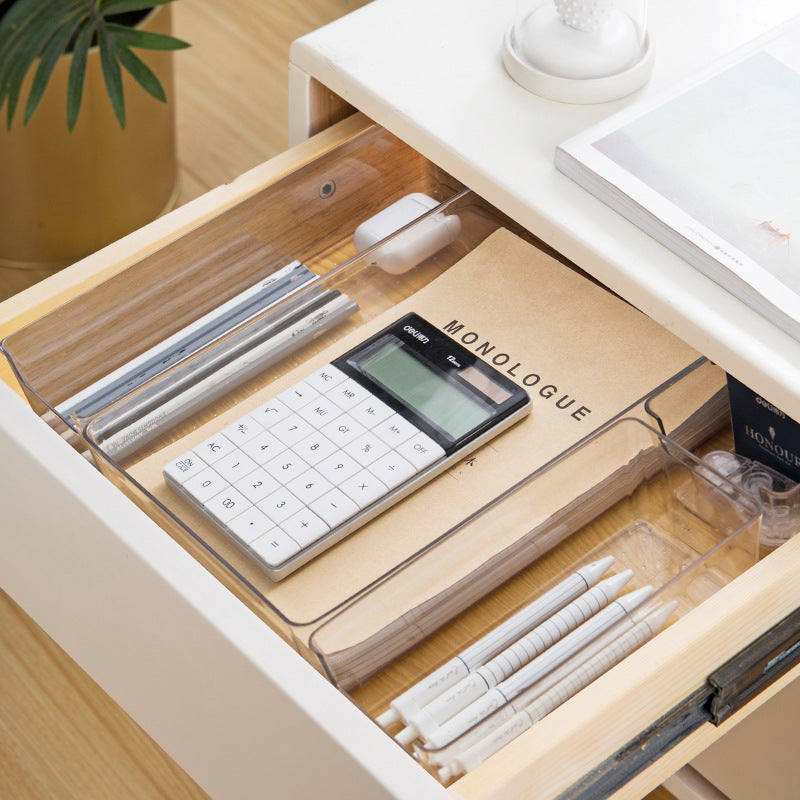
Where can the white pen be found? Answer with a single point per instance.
(429, 718)
(441, 756)
(535, 670)
(527, 715)
(493, 642)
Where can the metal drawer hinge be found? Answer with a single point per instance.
(753, 669)
(727, 689)
(645, 749)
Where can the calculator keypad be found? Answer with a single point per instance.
(302, 464)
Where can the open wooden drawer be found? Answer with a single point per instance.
(184, 640)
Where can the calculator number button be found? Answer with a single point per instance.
(338, 467)
(291, 430)
(235, 465)
(280, 505)
(204, 485)
(286, 467)
(315, 448)
(257, 485)
(227, 504)
(309, 486)
(263, 447)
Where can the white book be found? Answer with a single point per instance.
(710, 167)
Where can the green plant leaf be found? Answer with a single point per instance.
(146, 40)
(24, 56)
(25, 32)
(20, 41)
(21, 13)
(44, 29)
(122, 6)
(55, 48)
(77, 74)
(142, 73)
(27, 24)
(112, 74)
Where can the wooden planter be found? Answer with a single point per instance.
(64, 195)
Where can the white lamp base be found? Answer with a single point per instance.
(580, 90)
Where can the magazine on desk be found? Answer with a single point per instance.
(711, 169)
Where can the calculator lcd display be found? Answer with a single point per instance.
(426, 391)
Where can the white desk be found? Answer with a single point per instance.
(431, 72)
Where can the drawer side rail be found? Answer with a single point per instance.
(727, 690)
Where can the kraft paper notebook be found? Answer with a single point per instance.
(585, 356)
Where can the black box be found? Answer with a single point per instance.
(762, 432)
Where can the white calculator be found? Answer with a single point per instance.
(309, 466)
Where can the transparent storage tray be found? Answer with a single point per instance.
(310, 215)
(629, 492)
(536, 523)
(346, 597)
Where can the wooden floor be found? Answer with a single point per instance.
(232, 83)
(60, 736)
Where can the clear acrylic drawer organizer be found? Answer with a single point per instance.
(680, 526)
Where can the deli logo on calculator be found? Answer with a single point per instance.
(414, 333)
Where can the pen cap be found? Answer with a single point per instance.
(613, 586)
(634, 599)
